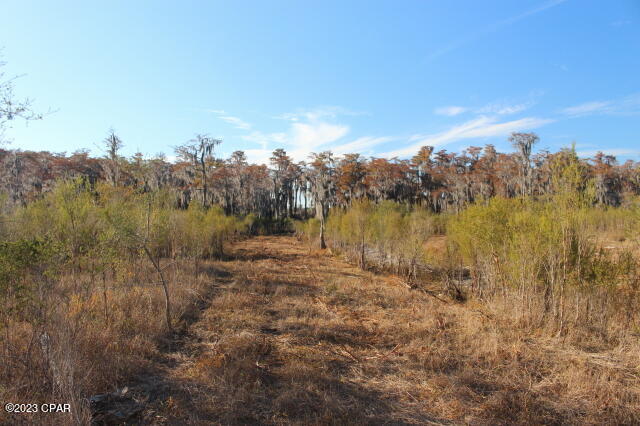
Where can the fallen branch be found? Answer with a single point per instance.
(427, 292)
(385, 356)
(351, 355)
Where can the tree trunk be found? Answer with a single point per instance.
(323, 245)
(363, 265)
(204, 180)
(165, 288)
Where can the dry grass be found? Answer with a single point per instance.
(87, 346)
(298, 337)
(281, 334)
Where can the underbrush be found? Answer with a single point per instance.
(548, 333)
(304, 338)
(270, 226)
(92, 281)
(386, 236)
(540, 262)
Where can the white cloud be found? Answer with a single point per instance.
(450, 111)
(302, 154)
(478, 128)
(502, 108)
(361, 145)
(499, 108)
(320, 129)
(264, 139)
(316, 133)
(235, 122)
(587, 108)
(308, 131)
(513, 109)
(258, 156)
(319, 113)
(316, 136)
(629, 105)
(625, 152)
(314, 130)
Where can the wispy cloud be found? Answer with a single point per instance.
(477, 128)
(587, 108)
(321, 129)
(629, 105)
(503, 107)
(266, 139)
(308, 131)
(236, 122)
(450, 111)
(258, 156)
(623, 152)
(361, 145)
(493, 28)
(317, 133)
(319, 113)
(535, 10)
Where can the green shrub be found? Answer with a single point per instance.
(308, 230)
(545, 252)
(26, 267)
(387, 235)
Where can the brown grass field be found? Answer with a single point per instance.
(293, 336)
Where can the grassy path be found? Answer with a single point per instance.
(293, 336)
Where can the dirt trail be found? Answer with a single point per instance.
(290, 336)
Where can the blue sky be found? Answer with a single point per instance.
(379, 78)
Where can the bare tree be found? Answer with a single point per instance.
(10, 107)
(441, 181)
(321, 176)
(200, 152)
(422, 163)
(283, 181)
(524, 142)
(113, 145)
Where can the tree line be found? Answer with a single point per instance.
(557, 261)
(441, 181)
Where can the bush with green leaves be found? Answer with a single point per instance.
(307, 230)
(546, 253)
(27, 268)
(107, 229)
(384, 235)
